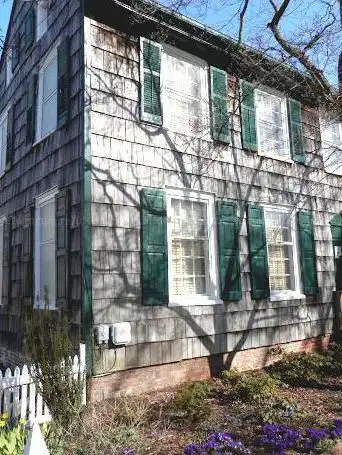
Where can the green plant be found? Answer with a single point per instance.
(49, 348)
(12, 436)
(299, 369)
(190, 400)
(249, 386)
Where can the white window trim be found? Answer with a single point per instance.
(41, 200)
(9, 72)
(51, 56)
(325, 143)
(3, 116)
(166, 49)
(213, 278)
(296, 294)
(2, 221)
(42, 14)
(271, 92)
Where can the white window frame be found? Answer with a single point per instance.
(2, 221)
(213, 296)
(9, 72)
(41, 200)
(297, 293)
(42, 14)
(269, 92)
(3, 117)
(325, 143)
(166, 49)
(51, 56)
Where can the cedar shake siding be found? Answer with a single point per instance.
(130, 157)
(34, 169)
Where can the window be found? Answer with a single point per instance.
(45, 251)
(272, 128)
(185, 93)
(3, 140)
(191, 244)
(9, 72)
(2, 220)
(42, 12)
(332, 145)
(47, 97)
(282, 253)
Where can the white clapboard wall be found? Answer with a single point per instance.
(20, 398)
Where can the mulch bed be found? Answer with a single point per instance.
(166, 434)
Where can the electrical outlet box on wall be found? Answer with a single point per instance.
(121, 333)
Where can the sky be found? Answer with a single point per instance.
(5, 11)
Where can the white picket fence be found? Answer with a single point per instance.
(20, 398)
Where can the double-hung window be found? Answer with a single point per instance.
(3, 140)
(272, 126)
(332, 145)
(9, 71)
(192, 247)
(47, 96)
(184, 92)
(282, 252)
(45, 251)
(42, 13)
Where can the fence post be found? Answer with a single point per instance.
(35, 444)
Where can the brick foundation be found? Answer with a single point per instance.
(159, 377)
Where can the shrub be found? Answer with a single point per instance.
(249, 386)
(190, 400)
(12, 436)
(299, 369)
(49, 348)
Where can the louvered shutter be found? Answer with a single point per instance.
(307, 253)
(258, 252)
(6, 262)
(154, 248)
(219, 105)
(16, 51)
(150, 64)
(31, 109)
(27, 252)
(248, 116)
(10, 137)
(63, 99)
(229, 251)
(30, 26)
(296, 130)
(62, 248)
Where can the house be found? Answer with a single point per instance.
(167, 189)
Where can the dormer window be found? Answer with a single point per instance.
(332, 145)
(9, 71)
(42, 13)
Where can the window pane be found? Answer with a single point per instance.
(280, 251)
(47, 223)
(47, 273)
(189, 247)
(50, 79)
(184, 92)
(49, 115)
(271, 122)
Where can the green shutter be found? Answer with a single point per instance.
(248, 117)
(307, 253)
(10, 137)
(30, 26)
(31, 109)
(27, 256)
(150, 63)
(229, 252)
(296, 130)
(154, 248)
(219, 105)
(62, 207)
(7, 262)
(258, 252)
(63, 99)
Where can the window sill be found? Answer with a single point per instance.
(193, 300)
(273, 157)
(287, 296)
(38, 141)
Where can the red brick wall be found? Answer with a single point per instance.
(159, 377)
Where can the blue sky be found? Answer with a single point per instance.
(5, 11)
